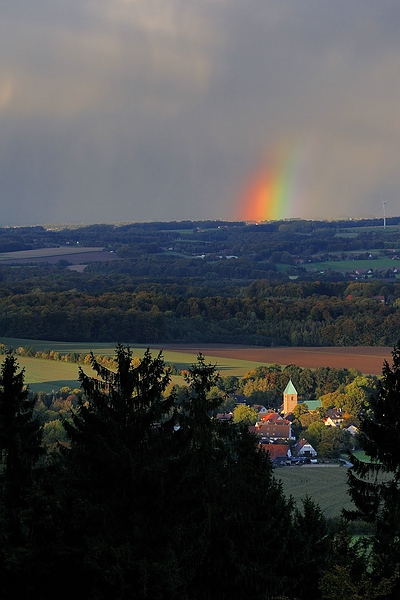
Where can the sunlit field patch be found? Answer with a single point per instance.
(327, 485)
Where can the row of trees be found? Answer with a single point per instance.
(155, 316)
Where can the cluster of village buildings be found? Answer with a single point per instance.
(274, 430)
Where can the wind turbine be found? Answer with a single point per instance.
(384, 213)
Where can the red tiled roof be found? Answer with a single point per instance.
(273, 418)
(300, 444)
(275, 450)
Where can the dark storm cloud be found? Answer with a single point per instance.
(120, 110)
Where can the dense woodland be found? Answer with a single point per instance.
(206, 282)
(150, 497)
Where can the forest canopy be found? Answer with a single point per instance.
(205, 282)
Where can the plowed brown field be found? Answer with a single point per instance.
(365, 359)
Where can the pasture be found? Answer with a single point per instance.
(349, 266)
(43, 375)
(326, 484)
(75, 255)
(369, 228)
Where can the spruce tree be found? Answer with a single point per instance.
(374, 486)
(114, 477)
(20, 443)
(233, 524)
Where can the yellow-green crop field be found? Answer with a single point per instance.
(48, 375)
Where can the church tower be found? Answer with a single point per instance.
(289, 398)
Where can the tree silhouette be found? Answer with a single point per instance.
(374, 486)
(115, 473)
(20, 443)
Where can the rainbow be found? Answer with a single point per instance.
(273, 191)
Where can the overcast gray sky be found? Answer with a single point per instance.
(142, 110)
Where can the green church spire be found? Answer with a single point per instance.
(290, 389)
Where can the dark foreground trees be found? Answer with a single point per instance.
(116, 473)
(20, 439)
(20, 448)
(167, 502)
(155, 499)
(152, 498)
(375, 486)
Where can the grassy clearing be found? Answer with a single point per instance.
(326, 485)
(225, 366)
(172, 253)
(354, 265)
(360, 454)
(389, 229)
(183, 231)
(47, 375)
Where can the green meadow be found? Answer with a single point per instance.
(43, 375)
(327, 485)
(357, 230)
(353, 265)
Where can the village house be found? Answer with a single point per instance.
(240, 399)
(273, 427)
(260, 409)
(352, 429)
(335, 417)
(278, 453)
(303, 448)
(224, 416)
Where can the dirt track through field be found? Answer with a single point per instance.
(365, 359)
